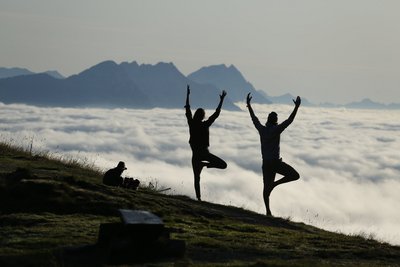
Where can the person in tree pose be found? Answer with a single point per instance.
(199, 140)
(270, 150)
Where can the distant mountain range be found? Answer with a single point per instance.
(367, 103)
(286, 99)
(131, 85)
(13, 72)
(108, 84)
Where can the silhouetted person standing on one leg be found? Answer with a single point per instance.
(199, 140)
(270, 149)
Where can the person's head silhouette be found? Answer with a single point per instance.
(199, 114)
(272, 118)
(121, 166)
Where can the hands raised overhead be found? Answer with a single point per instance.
(297, 102)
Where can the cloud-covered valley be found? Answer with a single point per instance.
(348, 159)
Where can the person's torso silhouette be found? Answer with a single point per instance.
(270, 136)
(199, 131)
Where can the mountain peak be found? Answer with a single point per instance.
(232, 67)
(133, 63)
(106, 64)
(104, 67)
(166, 66)
(227, 78)
(55, 74)
(12, 72)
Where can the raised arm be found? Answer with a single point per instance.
(221, 99)
(215, 115)
(297, 103)
(187, 106)
(253, 116)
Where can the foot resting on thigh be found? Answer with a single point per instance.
(204, 164)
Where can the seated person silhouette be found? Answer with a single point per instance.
(113, 177)
(199, 140)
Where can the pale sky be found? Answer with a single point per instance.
(325, 50)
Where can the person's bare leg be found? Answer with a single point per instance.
(269, 178)
(197, 167)
(214, 162)
(288, 172)
(266, 193)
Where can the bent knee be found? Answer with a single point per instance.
(296, 176)
(222, 165)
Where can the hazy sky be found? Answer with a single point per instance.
(337, 51)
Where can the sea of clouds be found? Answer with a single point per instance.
(348, 159)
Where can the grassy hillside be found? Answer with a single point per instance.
(47, 205)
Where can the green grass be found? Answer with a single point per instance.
(49, 204)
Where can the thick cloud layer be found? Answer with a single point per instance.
(348, 159)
